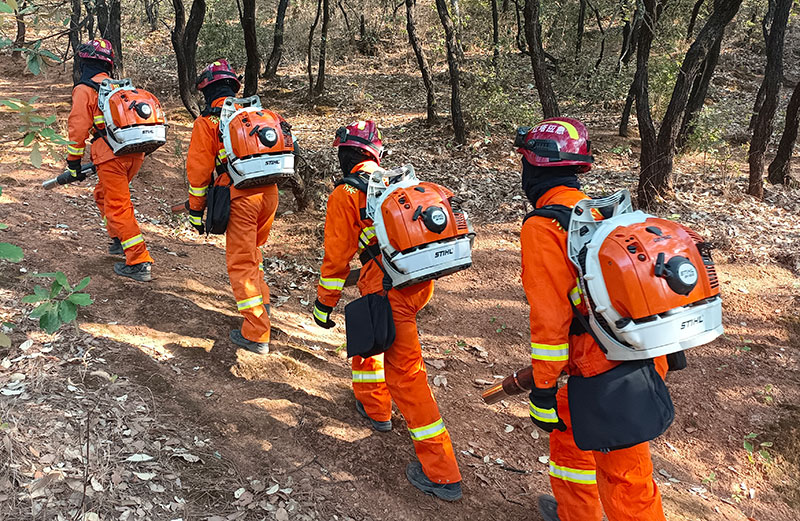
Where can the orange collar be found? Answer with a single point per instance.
(369, 166)
(560, 195)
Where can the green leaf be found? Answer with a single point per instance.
(67, 311)
(41, 309)
(748, 446)
(62, 279)
(50, 321)
(3, 226)
(5, 8)
(41, 292)
(81, 299)
(36, 156)
(50, 120)
(32, 299)
(34, 64)
(55, 289)
(48, 275)
(750, 436)
(10, 104)
(82, 284)
(48, 54)
(29, 137)
(766, 455)
(10, 252)
(13, 4)
(4, 340)
(767, 444)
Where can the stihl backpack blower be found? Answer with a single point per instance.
(258, 143)
(133, 120)
(422, 231)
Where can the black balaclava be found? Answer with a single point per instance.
(91, 68)
(536, 180)
(349, 157)
(218, 89)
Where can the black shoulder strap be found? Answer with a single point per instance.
(357, 181)
(559, 212)
(212, 111)
(90, 83)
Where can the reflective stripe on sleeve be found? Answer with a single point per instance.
(222, 154)
(550, 353)
(99, 119)
(367, 234)
(321, 315)
(198, 191)
(196, 220)
(369, 376)
(249, 303)
(583, 477)
(133, 241)
(543, 415)
(575, 295)
(332, 284)
(428, 431)
(75, 151)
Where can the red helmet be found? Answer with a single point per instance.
(219, 70)
(556, 142)
(98, 49)
(361, 134)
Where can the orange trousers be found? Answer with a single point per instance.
(251, 219)
(400, 374)
(113, 198)
(587, 482)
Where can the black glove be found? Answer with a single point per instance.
(196, 219)
(544, 409)
(322, 315)
(74, 167)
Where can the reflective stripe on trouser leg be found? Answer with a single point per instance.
(115, 175)
(626, 486)
(369, 387)
(407, 381)
(250, 219)
(572, 472)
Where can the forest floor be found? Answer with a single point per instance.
(181, 425)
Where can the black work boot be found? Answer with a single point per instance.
(548, 508)
(259, 348)
(140, 272)
(378, 426)
(115, 247)
(445, 491)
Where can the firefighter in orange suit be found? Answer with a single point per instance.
(112, 194)
(251, 216)
(399, 373)
(584, 482)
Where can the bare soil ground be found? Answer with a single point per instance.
(179, 424)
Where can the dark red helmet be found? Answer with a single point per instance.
(97, 49)
(217, 71)
(556, 142)
(361, 134)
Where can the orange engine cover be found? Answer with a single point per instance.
(135, 107)
(635, 248)
(408, 220)
(251, 134)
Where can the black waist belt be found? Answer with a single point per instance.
(365, 256)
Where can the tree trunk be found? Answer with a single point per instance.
(184, 42)
(458, 27)
(455, 72)
(151, 12)
(309, 68)
(779, 168)
(630, 38)
(533, 33)
(101, 12)
(658, 150)
(422, 61)
(773, 74)
(323, 45)
(495, 35)
(248, 19)
(626, 111)
(277, 40)
(602, 32)
(346, 19)
(765, 23)
(693, 19)
(581, 27)
(697, 97)
(75, 38)
(114, 35)
(19, 39)
(520, 38)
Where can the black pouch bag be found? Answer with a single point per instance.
(218, 204)
(620, 408)
(369, 326)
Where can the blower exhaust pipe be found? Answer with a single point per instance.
(66, 177)
(517, 383)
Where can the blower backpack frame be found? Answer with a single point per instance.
(262, 168)
(688, 277)
(431, 260)
(144, 131)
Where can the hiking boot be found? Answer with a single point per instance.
(548, 508)
(259, 348)
(378, 426)
(115, 247)
(445, 491)
(140, 272)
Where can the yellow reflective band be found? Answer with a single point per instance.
(105, 220)
(571, 130)
(584, 477)
(321, 315)
(102, 43)
(575, 295)
(222, 154)
(249, 303)
(332, 284)
(99, 119)
(543, 415)
(198, 191)
(261, 267)
(133, 241)
(75, 151)
(428, 431)
(369, 376)
(551, 353)
(367, 234)
(196, 220)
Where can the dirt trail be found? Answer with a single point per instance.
(291, 414)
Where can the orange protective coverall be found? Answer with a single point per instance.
(584, 482)
(252, 213)
(112, 194)
(399, 373)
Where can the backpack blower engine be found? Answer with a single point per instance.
(66, 177)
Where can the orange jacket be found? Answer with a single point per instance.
(550, 281)
(205, 153)
(83, 118)
(345, 232)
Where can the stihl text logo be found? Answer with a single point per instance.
(693, 322)
(442, 253)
